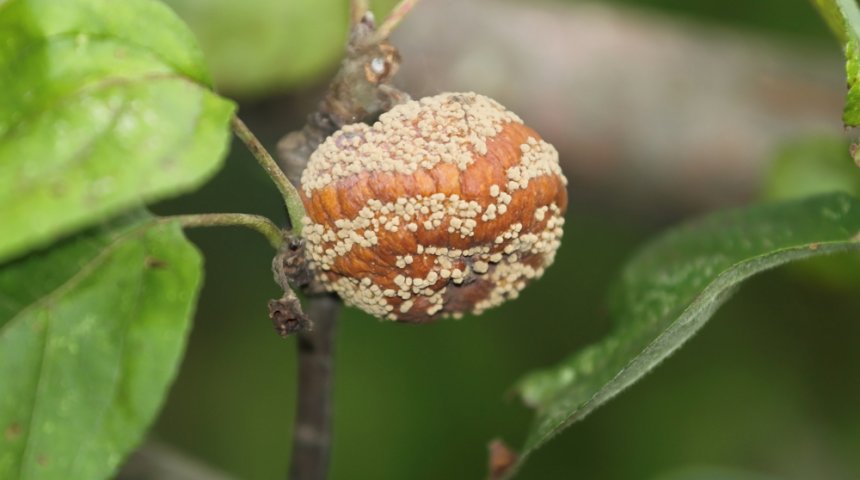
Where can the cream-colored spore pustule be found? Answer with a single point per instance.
(446, 205)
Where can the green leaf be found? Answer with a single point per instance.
(843, 17)
(91, 334)
(257, 47)
(671, 288)
(103, 105)
(811, 166)
(833, 17)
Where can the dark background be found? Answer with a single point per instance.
(771, 386)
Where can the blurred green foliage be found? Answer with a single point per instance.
(812, 166)
(790, 19)
(256, 47)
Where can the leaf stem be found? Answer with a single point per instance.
(259, 223)
(357, 10)
(398, 13)
(292, 200)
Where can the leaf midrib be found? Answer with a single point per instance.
(92, 87)
(107, 250)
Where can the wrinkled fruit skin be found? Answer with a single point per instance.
(446, 205)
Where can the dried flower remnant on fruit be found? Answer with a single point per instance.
(448, 204)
